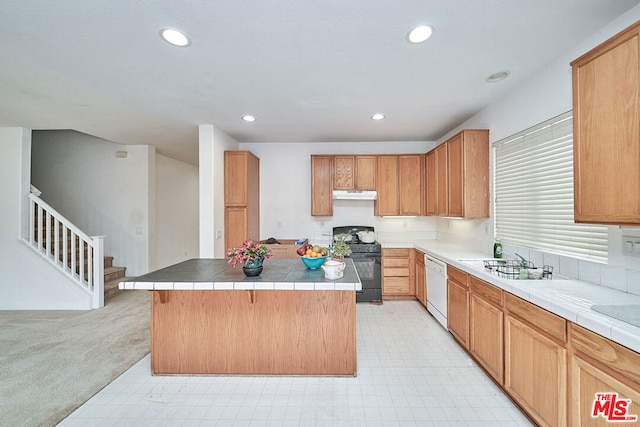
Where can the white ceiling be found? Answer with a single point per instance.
(309, 70)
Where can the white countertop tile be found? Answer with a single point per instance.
(571, 299)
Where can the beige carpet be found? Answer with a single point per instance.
(51, 362)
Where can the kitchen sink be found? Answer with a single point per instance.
(511, 269)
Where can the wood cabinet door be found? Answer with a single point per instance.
(236, 227)
(344, 172)
(486, 336)
(442, 182)
(411, 169)
(235, 178)
(388, 198)
(431, 183)
(586, 381)
(421, 285)
(458, 312)
(535, 373)
(455, 175)
(365, 172)
(475, 173)
(606, 140)
(321, 185)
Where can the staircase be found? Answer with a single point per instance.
(112, 276)
(73, 252)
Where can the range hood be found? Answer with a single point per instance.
(355, 195)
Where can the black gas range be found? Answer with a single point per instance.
(367, 258)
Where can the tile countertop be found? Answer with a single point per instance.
(215, 274)
(570, 299)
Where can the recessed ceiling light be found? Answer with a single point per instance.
(377, 116)
(175, 37)
(419, 34)
(496, 77)
(249, 118)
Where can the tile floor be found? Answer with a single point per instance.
(410, 373)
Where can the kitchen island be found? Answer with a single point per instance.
(208, 318)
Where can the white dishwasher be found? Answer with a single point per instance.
(436, 277)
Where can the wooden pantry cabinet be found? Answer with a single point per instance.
(354, 172)
(458, 305)
(398, 275)
(400, 180)
(241, 198)
(321, 185)
(486, 323)
(606, 131)
(535, 372)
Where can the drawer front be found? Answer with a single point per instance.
(486, 291)
(458, 276)
(613, 355)
(395, 285)
(395, 262)
(396, 252)
(395, 272)
(548, 323)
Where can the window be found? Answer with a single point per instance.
(534, 193)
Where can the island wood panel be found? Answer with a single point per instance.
(254, 332)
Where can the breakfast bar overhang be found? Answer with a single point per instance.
(208, 318)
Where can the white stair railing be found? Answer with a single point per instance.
(73, 252)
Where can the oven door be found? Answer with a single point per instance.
(369, 268)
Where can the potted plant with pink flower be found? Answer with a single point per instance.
(251, 255)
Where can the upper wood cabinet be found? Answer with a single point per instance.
(354, 172)
(606, 131)
(344, 177)
(365, 173)
(388, 197)
(321, 185)
(431, 183)
(400, 184)
(458, 176)
(241, 197)
(442, 181)
(468, 173)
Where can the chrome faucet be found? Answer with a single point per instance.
(523, 262)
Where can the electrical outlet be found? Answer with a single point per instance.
(631, 246)
(278, 224)
(486, 229)
(405, 223)
(218, 234)
(321, 224)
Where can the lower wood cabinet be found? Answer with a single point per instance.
(421, 282)
(557, 372)
(458, 305)
(398, 273)
(486, 327)
(536, 361)
(600, 366)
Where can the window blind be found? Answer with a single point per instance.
(534, 193)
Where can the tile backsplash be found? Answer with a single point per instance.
(619, 278)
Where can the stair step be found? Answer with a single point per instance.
(111, 288)
(114, 273)
(108, 261)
